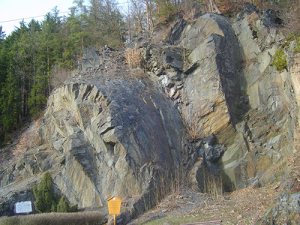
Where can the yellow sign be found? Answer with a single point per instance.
(114, 205)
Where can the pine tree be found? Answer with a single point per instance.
(26, 63)
(9, 105)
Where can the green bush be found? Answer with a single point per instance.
(73, 208)
(279, 60)
(297, 47)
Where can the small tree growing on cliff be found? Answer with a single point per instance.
(44, 194)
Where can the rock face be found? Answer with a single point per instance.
(266, 133)
(228, 88)
(212, 90)
(209, 99)
(117, 135)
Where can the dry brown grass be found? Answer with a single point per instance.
(228, 7)
(251, 203)
(133, 58)
(80, 218)
(252, 18)
(29, 139)
(241, 207)
(212, 185)
(292, 20)
(169, 185)
(195, 132)
(58, 77)
(189, 13)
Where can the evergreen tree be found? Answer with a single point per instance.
(63, 205)
(44, 194)
(75, 37)
(166, 8)
(106, 24)
(48, 54)
(2, 35)
(9, 106)
(26, 64)
(3, 60)
(33, 52)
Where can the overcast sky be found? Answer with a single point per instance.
(19, 9)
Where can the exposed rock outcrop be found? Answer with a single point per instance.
(118, 132)
(266, 134)
(227, 87)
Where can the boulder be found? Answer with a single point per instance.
(171, 58)
(118, 136)
(90, 58)
(211, 90)
(209, 150)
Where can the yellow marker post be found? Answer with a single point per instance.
(114, 206)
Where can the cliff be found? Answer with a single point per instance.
(208, 96)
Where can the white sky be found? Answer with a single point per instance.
(19, 9)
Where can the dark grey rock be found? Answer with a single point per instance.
(210, 150)
(171, 59)
(90, 59)
(175, 33)
(249, 8)
(270, 18)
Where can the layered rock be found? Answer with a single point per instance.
(227, 87)
(267, 132)
(118, 134)
(212, 89)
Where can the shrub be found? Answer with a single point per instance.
(58, 76)
(297, 47)
(133, 58)
(279, 60)
(73, 208)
